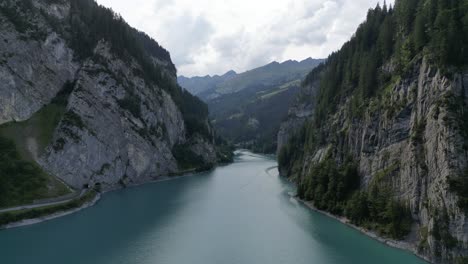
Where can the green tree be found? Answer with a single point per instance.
(385, 40)
(398, 218)
(357, 210)
(405, 11)
(420, 36)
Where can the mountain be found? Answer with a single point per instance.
(198, 85)
(86, 100)
(379, 132)
(247, 108)
(272, 74)
(251, 118)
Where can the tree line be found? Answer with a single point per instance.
(437, 29)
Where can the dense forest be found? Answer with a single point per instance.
(251, 118)
(384, 50)
(437, 29)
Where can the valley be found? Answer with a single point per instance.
(247, 108)
(296, 161)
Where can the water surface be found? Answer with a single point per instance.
(240, 214)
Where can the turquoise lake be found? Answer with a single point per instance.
(240, 213)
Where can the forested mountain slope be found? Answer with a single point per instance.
(90, 100)
(270, 75)
(200, 84)
(379, 133)
(251, 118)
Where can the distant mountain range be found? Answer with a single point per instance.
(247, 108)
(274, 73)
(197, 85)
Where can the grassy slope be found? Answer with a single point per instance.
(29, 139)
(40, 128)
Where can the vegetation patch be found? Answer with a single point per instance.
(21, 181)
(329, 185)
(382, 176)
(423, 242)
(377, 209)
(73, 119)
(19, 13)
(440, 232)
(11, 217)
(335, 189)
(132, 104)
(40, 127)
(417, 136)
(186, 158)
(104, 168)
(225, 151)
(459, 185)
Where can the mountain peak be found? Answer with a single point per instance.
(230, 73)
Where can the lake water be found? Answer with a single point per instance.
(239, 213)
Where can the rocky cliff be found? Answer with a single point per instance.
(123, 112)
(412, 142)
(401, 130)
(299, 112)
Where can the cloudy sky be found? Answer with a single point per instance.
(214, 36)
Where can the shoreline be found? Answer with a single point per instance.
(402, 245)
(32, 221)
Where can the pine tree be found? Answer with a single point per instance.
(420, 36)
(464, 23)
(406, 10)
(385, 39)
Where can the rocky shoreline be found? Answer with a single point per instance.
(389, 242)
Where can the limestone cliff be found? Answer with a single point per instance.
(299, 112)
(123, 113)
(413, 141)
(382, 138)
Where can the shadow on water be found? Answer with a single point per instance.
(338, 243)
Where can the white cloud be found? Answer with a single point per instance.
(212, 37)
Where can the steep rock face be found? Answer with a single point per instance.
(299, 112)
(107, 143)
(203, 148)
(118, 128)
(32, 70)
(413, 141)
